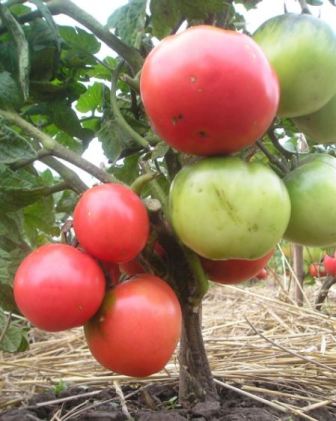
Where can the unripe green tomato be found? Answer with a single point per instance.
(225, 208)
(302, 51)
(321, 125)
(312, 190)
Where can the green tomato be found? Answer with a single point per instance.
(312, 190)
(302, 51)
(321, 125)
(225, 208)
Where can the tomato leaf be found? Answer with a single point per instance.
(91, 99)
(10, 94)
(13, 338)
(129, 22)
(79, 39)
(166, 14)
(13, 146)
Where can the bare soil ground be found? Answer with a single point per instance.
(272, 360)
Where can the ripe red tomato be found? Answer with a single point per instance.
(262, 274)
(330, 265)
(233, 271)
(316, 270)
(137, 327)
(58, 287)
(209, 91)
(111, 223)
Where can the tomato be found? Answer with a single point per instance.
(312, 190)
(320, 126)
(302, 51)
(262, 274)
(209, 91)
(225, 208)
(111, 222)
(316, 270)
(57, 287)
(137, 328)
(329, 265)
(233, 271)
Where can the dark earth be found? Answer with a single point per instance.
(152, 402)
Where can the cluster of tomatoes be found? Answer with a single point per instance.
(207, 92)
(132, 328)
(327, 267)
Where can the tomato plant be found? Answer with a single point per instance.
(217, 208)
(57, 287)
(233, 271)
(220, 93)
(312, 190)
(301, 49)
(111, 222)
(137, 327)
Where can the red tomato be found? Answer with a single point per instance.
(262, 274)
(330, 265)
(58, 287)
(111, 223)
(233, 271)
(209, 91)
(316, 270)
(137, 327)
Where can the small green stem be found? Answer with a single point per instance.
(4, 331)
(42, 153)
(201, 280)
(117, 114)
(140, 182)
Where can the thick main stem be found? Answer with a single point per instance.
(196, 384)
(299, 273)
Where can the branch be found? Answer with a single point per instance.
(287, 154)
(26, 161)
(69, 176)
(201, 280)
(131, 55)
(273, 159)
(4, 331)
(57, 149)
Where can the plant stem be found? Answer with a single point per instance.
(122, 123)
(140, 182)
(201, 280)
(42, 153)
(57, 149)
(68, 175)
(273, 159)
(287, 154)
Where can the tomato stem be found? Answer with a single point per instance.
(201, 280)
(140, 182)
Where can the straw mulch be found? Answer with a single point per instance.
(258, 342)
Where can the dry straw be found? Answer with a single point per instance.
(259, 344)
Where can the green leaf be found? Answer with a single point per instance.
(12, 336)
(127, 170)
(166, 14)
(109, 136)
(200, 9)
(78, 39)
(91, 99)
(129, 22)
(10, 94)
(67, 202)
(14, 147)
(99, 71)
(7, 302)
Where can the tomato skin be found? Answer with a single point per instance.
(312, 190)
(111, 223)
(137, 328)
(57, 287)
(218, 208)
(320, 126)
(330, 265)
(209, 91)
(302, 51)
(234, 271)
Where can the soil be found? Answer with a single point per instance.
(152, 402)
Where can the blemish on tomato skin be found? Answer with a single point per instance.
(101, 319)
(202, 134)
(193, 79)
(176, 118)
